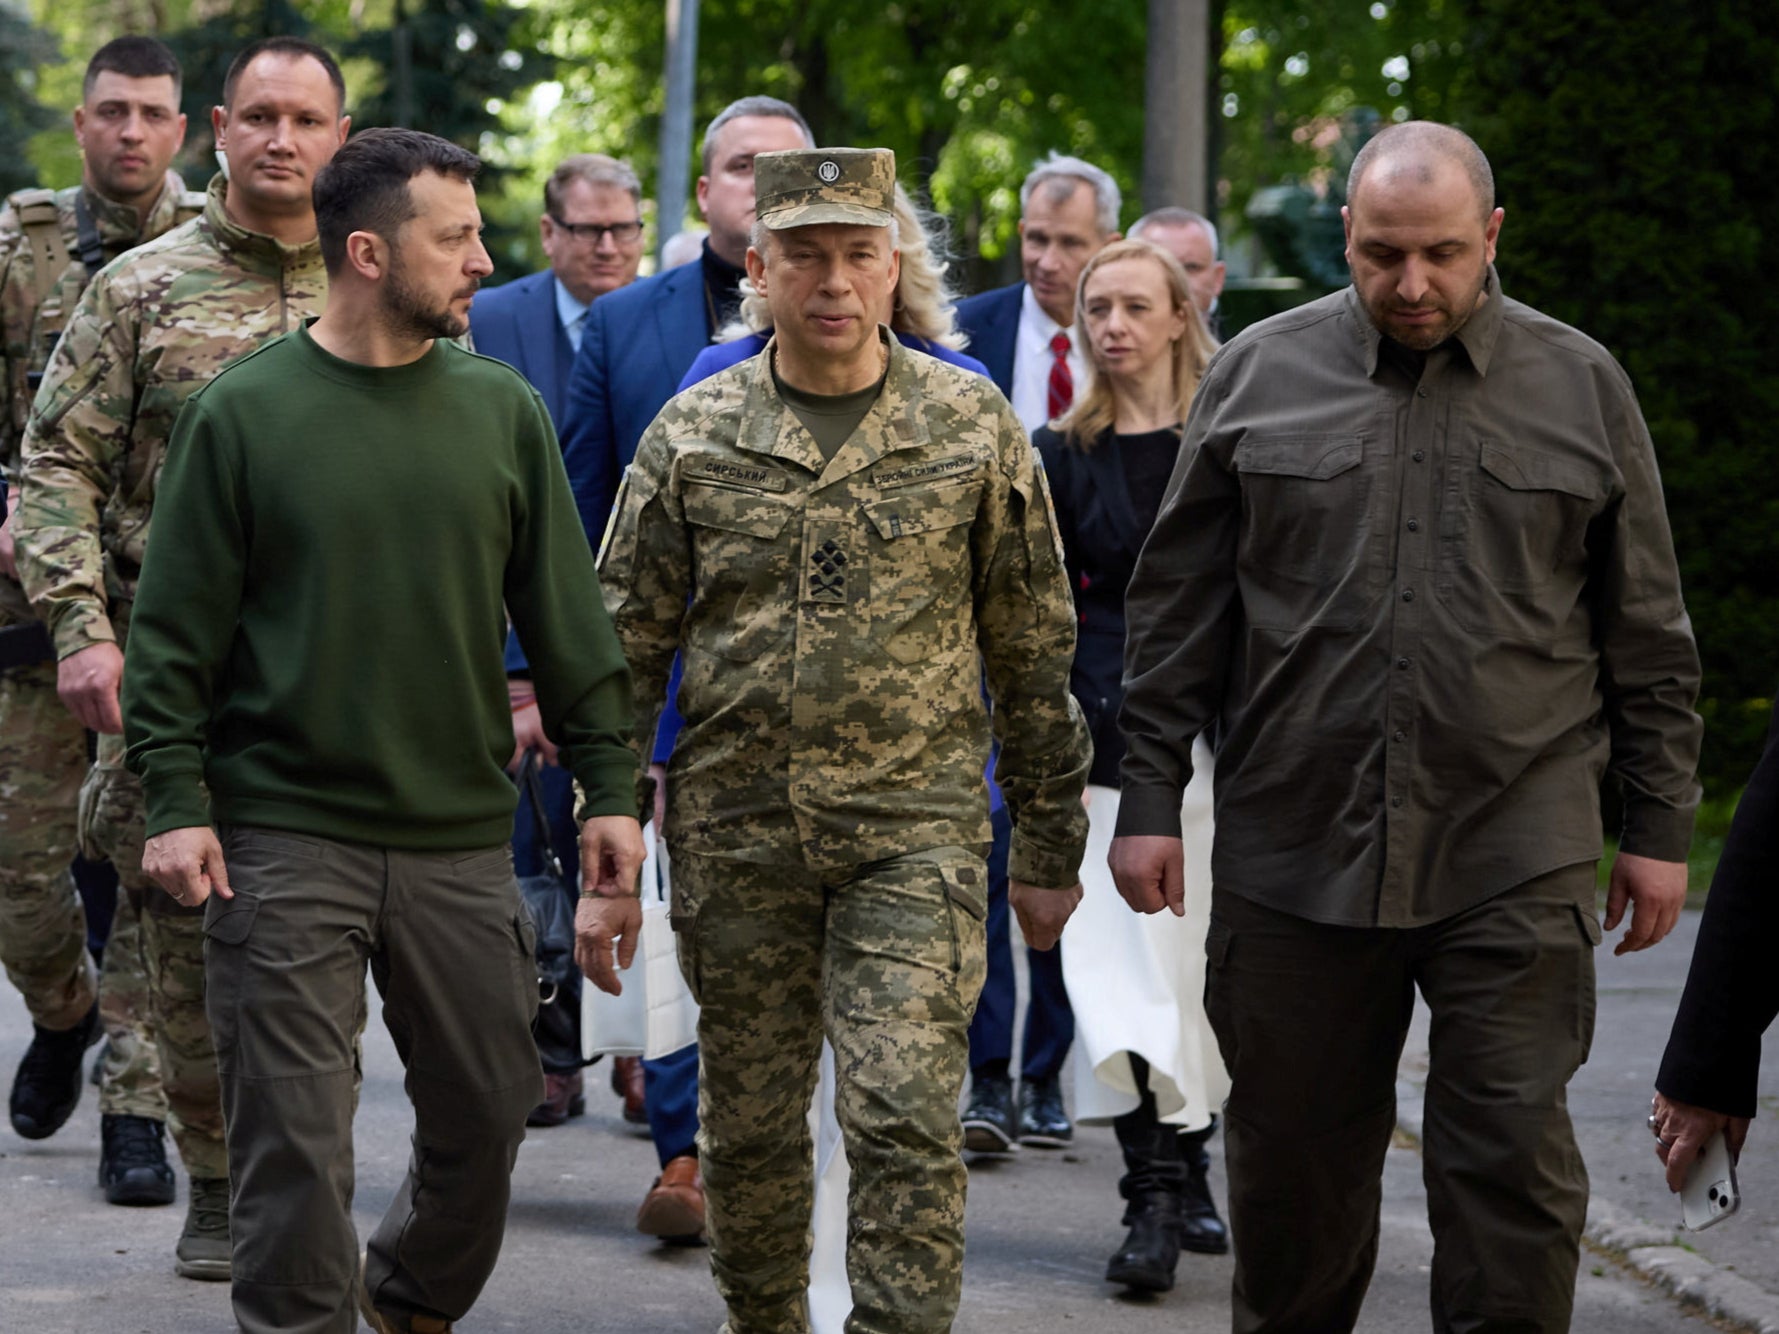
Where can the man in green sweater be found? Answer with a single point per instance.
(315, 701)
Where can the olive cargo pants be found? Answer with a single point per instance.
(452, 951)
(887, 960)
(1311, 1021)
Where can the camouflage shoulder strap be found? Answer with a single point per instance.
(42, 226)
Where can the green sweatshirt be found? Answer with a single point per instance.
(317, 634)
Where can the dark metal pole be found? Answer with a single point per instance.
(676, 121)
(1175, 105)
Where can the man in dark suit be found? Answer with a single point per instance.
(636, 346)
(1068, 211)
(1024, 334)
(592, 232)
(639, 342)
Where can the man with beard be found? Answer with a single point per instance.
(297, 703)
(153, 327)
(52, 244)
(1414, 574)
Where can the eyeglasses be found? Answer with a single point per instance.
(624, 233)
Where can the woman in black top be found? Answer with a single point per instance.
(1145, 1057)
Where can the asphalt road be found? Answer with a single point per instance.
(1039, 1227)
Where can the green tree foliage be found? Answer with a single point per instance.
(1634, 153)
(24, 48)
(447, 66)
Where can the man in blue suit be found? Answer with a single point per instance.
(1025, 335)
(1068, 211)
(592, 233)
(638, 343)
(636, 346)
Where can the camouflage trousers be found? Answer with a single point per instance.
(887, 960)
(42, 924)
(130, 1067)
(112, 824)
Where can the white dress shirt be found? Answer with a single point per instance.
(1032, 359)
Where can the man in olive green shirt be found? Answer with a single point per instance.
(1416, 575)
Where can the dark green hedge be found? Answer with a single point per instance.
(1636, 152)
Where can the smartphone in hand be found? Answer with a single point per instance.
(1710, 1194)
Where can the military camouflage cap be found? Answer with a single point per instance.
(805, 186)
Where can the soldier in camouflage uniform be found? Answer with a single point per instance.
(863, 536)
(150, 330)
(51, 245)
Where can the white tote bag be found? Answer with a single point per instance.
(656, 1014)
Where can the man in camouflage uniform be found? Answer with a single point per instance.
(148, 332)
(51, 244)
(863, 536)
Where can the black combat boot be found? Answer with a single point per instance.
(1201, 1229)
(47, 1087)
(1153, 1185)
(133, 1165)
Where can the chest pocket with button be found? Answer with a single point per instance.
(743, 568)
(1513, 554)
(921, 590)
(1310, 553)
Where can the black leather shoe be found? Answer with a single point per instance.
(133, 1165)
(1042, 1121)
(1147, 1259)
(988, 1120)
(1201, 1230)
(46, 1089)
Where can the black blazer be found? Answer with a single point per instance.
(1732, 987)
(1101, 537)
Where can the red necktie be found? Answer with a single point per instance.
(1062, 384)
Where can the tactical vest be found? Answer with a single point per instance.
(51, 259)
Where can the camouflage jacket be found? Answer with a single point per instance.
(153, 327)
(842, 617)
(31, 321)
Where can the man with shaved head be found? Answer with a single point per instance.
(1415, 574)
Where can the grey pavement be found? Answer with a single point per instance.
(1039, 1227)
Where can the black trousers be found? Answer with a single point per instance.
(450, 947)
(1311, 1021)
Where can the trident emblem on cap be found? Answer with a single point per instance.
(829, 171)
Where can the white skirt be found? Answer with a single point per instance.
(1137, 981)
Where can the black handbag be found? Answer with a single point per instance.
(557, 1027)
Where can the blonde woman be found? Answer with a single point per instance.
(1145, 1058)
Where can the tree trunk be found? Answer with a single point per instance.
(1176, 160)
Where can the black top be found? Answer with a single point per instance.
(1732, 988)
(722, 289)
(1106, 501)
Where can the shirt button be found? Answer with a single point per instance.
(1414, 525)
(1420, 392)
(1418, 455)
(1402, 664)
(1396, 801)
(1401, 736)
(1408, 595)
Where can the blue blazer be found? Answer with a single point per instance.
(635, 345)
(992, 321)
(517, 323)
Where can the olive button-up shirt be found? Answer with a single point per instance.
(1426, 600)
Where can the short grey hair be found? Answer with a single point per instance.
(1416, 142)
(1059, 176)
(594, 169)
(1174, 216)
(751, 106)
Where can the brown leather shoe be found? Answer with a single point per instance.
(627, 1084)
(564, 1096)
(382, 1322)
(674, 1207)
